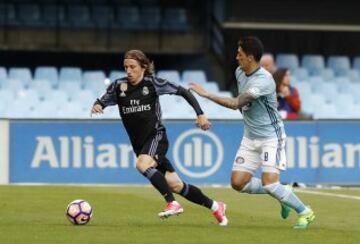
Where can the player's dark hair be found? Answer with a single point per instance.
(141, 58)
(278, 76)
(252, 45)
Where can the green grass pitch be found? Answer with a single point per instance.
(35, 214)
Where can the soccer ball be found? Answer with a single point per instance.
(79, 212)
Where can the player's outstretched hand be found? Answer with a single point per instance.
(97, 109)
(203, 122)
(198, 89)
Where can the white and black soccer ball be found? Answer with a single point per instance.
(79, 212)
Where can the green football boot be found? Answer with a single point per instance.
(305, 220)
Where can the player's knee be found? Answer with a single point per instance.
(237, 185)
(142, 165)
(176, 187)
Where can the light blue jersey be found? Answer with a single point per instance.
(261, 117)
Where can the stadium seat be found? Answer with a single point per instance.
(315, 81)
(94, 80)
(11, 14)
(13, 84)
(325, 111)
(45, 110)
(304, 89)
(353, 75)
(308, 103)
(170, 75)
(116, 74)
(198, 76)
(175, 19)
(19, 108)
(72, 110)
(327, 74)
(356, 63)
(29, 14)
(53, 14)
(150, 17)
(212, 86)
(70, 74)
(343, 84)
(23, 74)
(127, 17)
(78, 17)
(47, 73)
(355, 92)
(102, 15)
(328, 90)
(313, 63)
(3, 75)
(289, 61)
(343, 101)
(85, 98)
(300, 74)
(57, 98)
(70, 88)
(41, 86)
(340, 65)
(7, 96)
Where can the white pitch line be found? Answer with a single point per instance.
(329, 194)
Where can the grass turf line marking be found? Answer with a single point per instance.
(329, 194)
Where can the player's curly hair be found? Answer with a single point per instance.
(142, 59)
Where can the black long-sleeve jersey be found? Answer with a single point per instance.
(139, 105)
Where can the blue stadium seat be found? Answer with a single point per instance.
(150, 17)
(300, 74)
(340, 64)
(198, 76)
(328, 90)
(356, 63)
(94, 80)
(175, 19)
(327, 74)
(315, 81)
(7, 95)
(353, 75)
(211, 87)
(53, 14)
(70, 88)
(85, 98)
(13, 84)
(23, 74)
(46, 109)
(308, 104)
(29, 14)
(287, 60)
(170, 75)
(3, 74)
(47, 73)
(31, 96)
(127, 18)
(78, 17)
(116, 74)
(70, 74)
(304, 89)
(325, 111)
(102, 15)
(41, 86)
(57, 98)
(313, 63)
(72, 110)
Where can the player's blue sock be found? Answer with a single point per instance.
(254, 186)
(286, 196)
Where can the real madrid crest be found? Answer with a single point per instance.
(145, 90)
(123, 89)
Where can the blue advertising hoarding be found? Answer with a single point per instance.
(99, 152)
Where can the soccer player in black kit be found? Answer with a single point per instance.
(137, 97)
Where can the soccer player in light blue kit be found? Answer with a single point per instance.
(263, 143)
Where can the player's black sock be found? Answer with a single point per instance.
(195, 195)
(158, 180)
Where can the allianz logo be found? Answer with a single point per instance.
(195, 153)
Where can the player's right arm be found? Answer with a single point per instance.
(229, 102)
(108, 99)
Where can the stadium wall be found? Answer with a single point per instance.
(98, 152)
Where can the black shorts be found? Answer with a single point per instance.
(156, 146)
